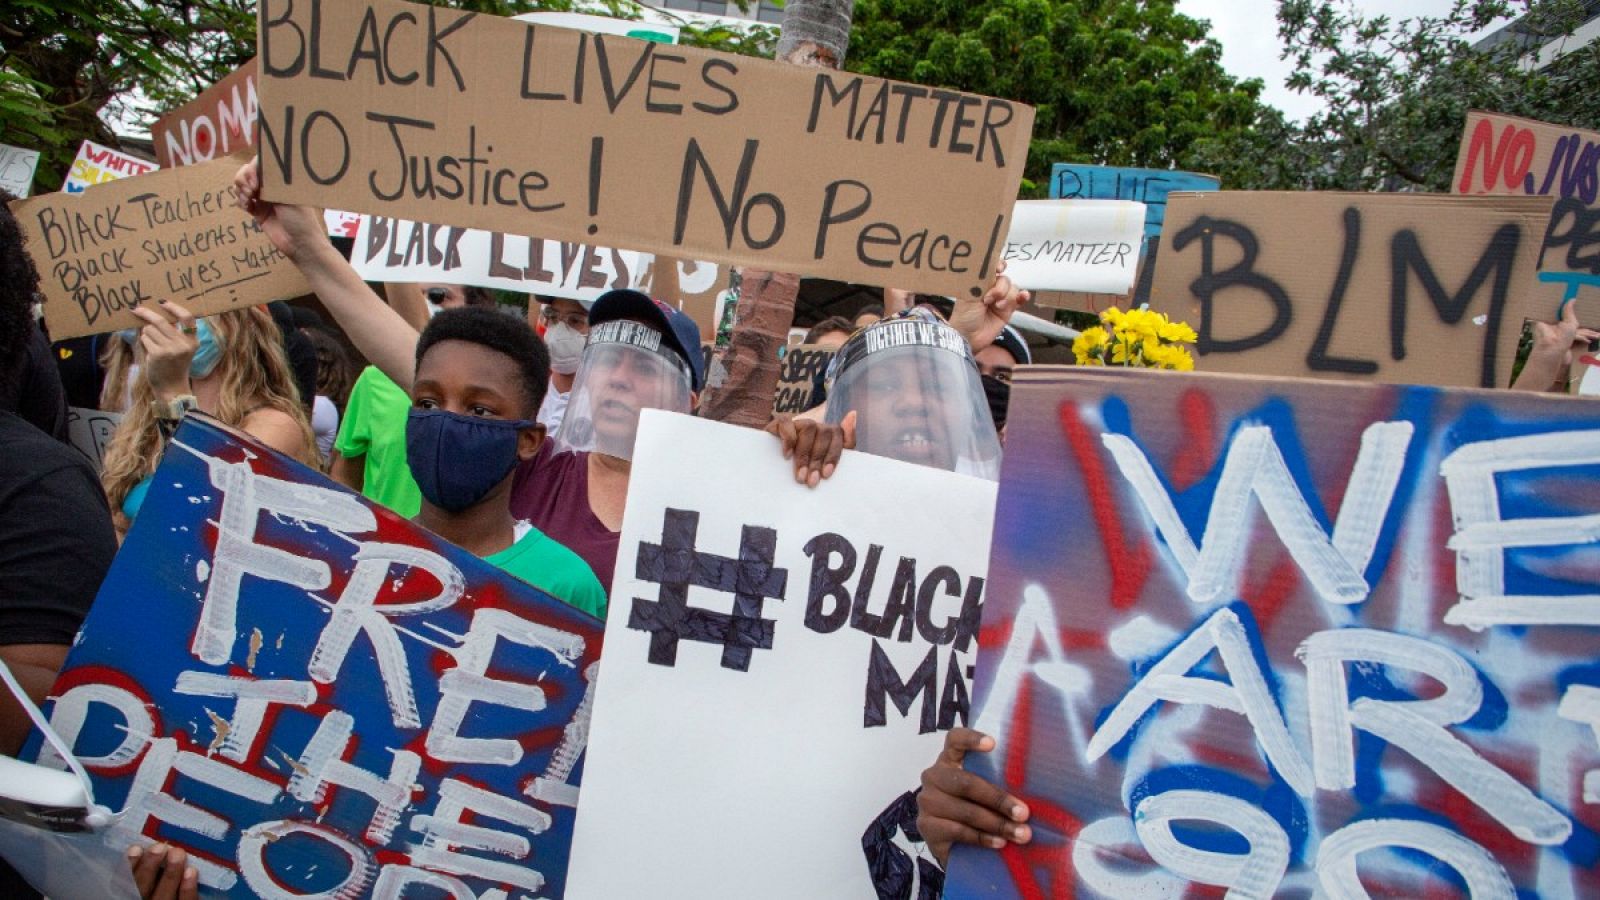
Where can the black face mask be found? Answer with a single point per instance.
(998, 393)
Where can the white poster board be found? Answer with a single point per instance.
(1088, 246)
(707, 780)
(397, 250)
(96, 164)
(90, 431)
(17, 166)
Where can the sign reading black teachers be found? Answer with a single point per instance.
(417, 112)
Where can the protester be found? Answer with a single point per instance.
(30, 385)
(1549, 362)
(870, 313)
(995, 365)
(830, 333)
(565, 325)
(480, 379)
(332, 390)
(119, 359)
(370, 451)
(230, 366)
(956, 806)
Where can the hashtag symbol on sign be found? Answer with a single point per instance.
(675, 565)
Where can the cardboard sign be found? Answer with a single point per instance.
(324, 698)
(1291, 638)
(396, 250)
(1148, 186)
(1508, 155)
(174, 235)
(97, 165)
(1075, 245)
(802, 364)
(219, 122)
(17, 166)
(1397, 288)
(90, 431)
(480, 121)
(780, 662)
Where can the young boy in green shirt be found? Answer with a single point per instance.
(480, 378)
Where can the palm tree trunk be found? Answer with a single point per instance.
(744, 376)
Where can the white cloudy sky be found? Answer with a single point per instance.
(1248, 32)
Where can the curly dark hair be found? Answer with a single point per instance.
(19, 286)
(508, 335)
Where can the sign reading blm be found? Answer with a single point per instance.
(416, 112)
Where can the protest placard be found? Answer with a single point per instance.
(1148, 186)
(1398, 288)
(397, 250)
(1508, 155)
(492, 123)
(90, 431)
(172, 235)
(1090, 246)
(803, 364)
(97, 165)
(1291, 638)
(780, 662)
(324, 699)
(221, 121)
(17, 166)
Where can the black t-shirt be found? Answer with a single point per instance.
(56, 543)
(56, 539)
(31, 387)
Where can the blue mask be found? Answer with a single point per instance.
(457, 460)
(208, 354)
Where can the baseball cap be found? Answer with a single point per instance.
(677, 330)
(1010, 340)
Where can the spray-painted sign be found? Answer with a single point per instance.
(1292, 639)
(324, 699)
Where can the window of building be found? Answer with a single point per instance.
(770, 12)
(715, 7)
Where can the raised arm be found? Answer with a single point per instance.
(298, 232)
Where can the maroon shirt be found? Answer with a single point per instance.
(551, 490)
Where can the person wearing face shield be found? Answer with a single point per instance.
(913, 384)
(565, 326)
(641, 354)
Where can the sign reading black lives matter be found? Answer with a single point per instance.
(435, 115)
(780, 663)
(177, 234)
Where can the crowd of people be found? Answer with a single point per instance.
(512, 438)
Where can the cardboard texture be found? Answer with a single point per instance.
(97, 165)
(803, 364)
(1396, 288)
(1148, 186)
(522, 128)
(323, 698)
(396, 250)
(1291, 638)
(172, 235)
(221, 121)
(764, 752)
(1508, 155)
(90, 431)
(17, 167)
(1090, 246)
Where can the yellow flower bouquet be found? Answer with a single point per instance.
(1140, 338)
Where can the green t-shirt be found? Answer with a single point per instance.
(374, 426)
(549, 566)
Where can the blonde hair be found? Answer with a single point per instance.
(117, 360)
(255, 373)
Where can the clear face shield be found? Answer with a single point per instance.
(917, 397)
(626, 368)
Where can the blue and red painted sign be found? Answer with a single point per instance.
(312, 696)
(1292, 639)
